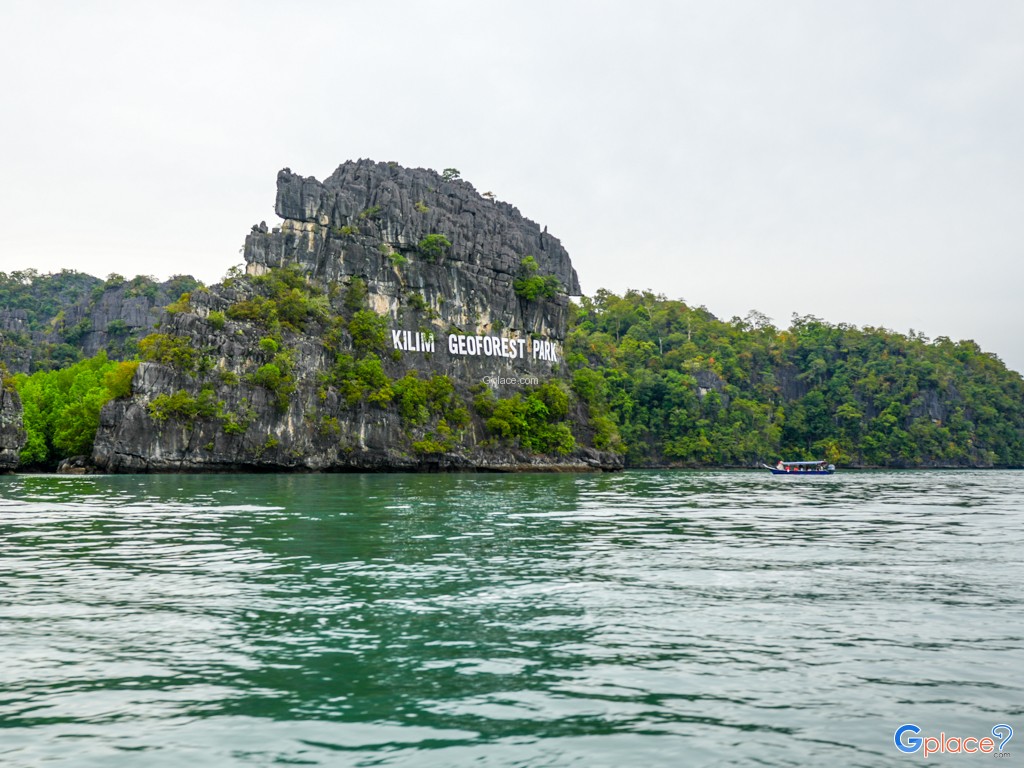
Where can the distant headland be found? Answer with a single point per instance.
(397, 319)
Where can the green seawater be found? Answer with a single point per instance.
(633, 619)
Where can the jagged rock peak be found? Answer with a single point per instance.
(420, 314)
(404, 205)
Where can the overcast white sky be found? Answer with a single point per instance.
(860, 161)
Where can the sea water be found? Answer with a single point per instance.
(639, 618)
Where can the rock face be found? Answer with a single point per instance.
(69, 315)
(379, 327)
(12, 434)
(369, 216)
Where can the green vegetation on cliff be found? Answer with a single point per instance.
(49, 321)
(685, 388)
(42, 297)
(62, 408)
(651, 378)
(531, 286)
(535, 419)
(434, 412)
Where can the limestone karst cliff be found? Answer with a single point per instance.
(51, 321)
(396, 319)
(368, 217)
(12, 434)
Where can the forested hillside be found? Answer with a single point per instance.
(686, 388)
(664, 383)
(52, 321)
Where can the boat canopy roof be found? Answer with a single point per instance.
(802, 463)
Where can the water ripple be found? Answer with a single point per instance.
(529, 620)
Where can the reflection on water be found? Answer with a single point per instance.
(528, 620)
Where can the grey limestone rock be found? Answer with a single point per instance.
(367, 217)
(369, 224)
(105, 316)
(12, 433)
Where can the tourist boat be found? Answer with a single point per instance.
(801, 468)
